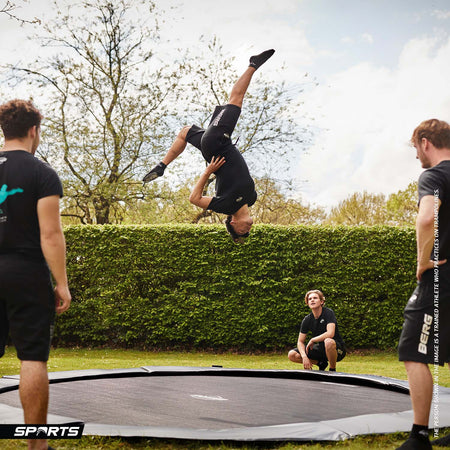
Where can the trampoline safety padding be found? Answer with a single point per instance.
(226, 404)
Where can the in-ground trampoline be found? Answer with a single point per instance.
(225, 404)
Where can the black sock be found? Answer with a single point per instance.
(157, 171)
(257, 61)
(420, 432)
(332, 370)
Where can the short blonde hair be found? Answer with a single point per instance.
(315, 291)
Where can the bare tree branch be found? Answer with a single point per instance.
(9, 9)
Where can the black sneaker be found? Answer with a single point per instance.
(157, 171)
(323, 365)
(415, 443)
(257, 61)
(442, 442)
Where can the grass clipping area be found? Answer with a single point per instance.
(357, 362)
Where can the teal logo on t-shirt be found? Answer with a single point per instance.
(4, 193)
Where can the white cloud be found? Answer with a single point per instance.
(244, 27)
(367, 114)
(440, 14)
(347, 40)
(366, 37)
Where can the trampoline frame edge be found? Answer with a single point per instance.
(332, 430)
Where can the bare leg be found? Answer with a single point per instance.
(177, 147)
(175, 150)
(295, 357)
(421, 390)
(33, 391)
(330, 350)
(240, 87)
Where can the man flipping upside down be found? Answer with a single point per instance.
(235, 188)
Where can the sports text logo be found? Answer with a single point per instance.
(66, 431)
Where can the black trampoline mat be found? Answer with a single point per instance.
(213, 402)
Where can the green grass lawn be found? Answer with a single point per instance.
(358, 362)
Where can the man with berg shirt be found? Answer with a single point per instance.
(425, 337)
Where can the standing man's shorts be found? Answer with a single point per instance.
(317, 352)
(27, 307)
(425, 336)
(214, 140)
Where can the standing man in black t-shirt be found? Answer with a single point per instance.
(31, 242)
(326, 344)
(235, 188)
(425, 337)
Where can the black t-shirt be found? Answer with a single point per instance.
(24, 180)
(319, 326)
(234, 185)
(436, 182)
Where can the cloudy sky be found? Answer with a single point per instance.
(381, 68)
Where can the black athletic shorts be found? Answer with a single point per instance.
(425, 336)
(27, 307)
(317, 351)
(212, 141)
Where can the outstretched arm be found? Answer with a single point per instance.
(197, 198)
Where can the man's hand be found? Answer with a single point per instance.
(62, 299)
(310, 344)
(306, 363)
(216, 163)
(423, 267)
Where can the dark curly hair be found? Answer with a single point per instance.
(17, 117)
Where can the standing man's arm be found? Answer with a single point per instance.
(53, 247)
(425, 234)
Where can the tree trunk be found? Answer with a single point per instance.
(102, 209)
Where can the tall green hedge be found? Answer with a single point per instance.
(190, 286)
